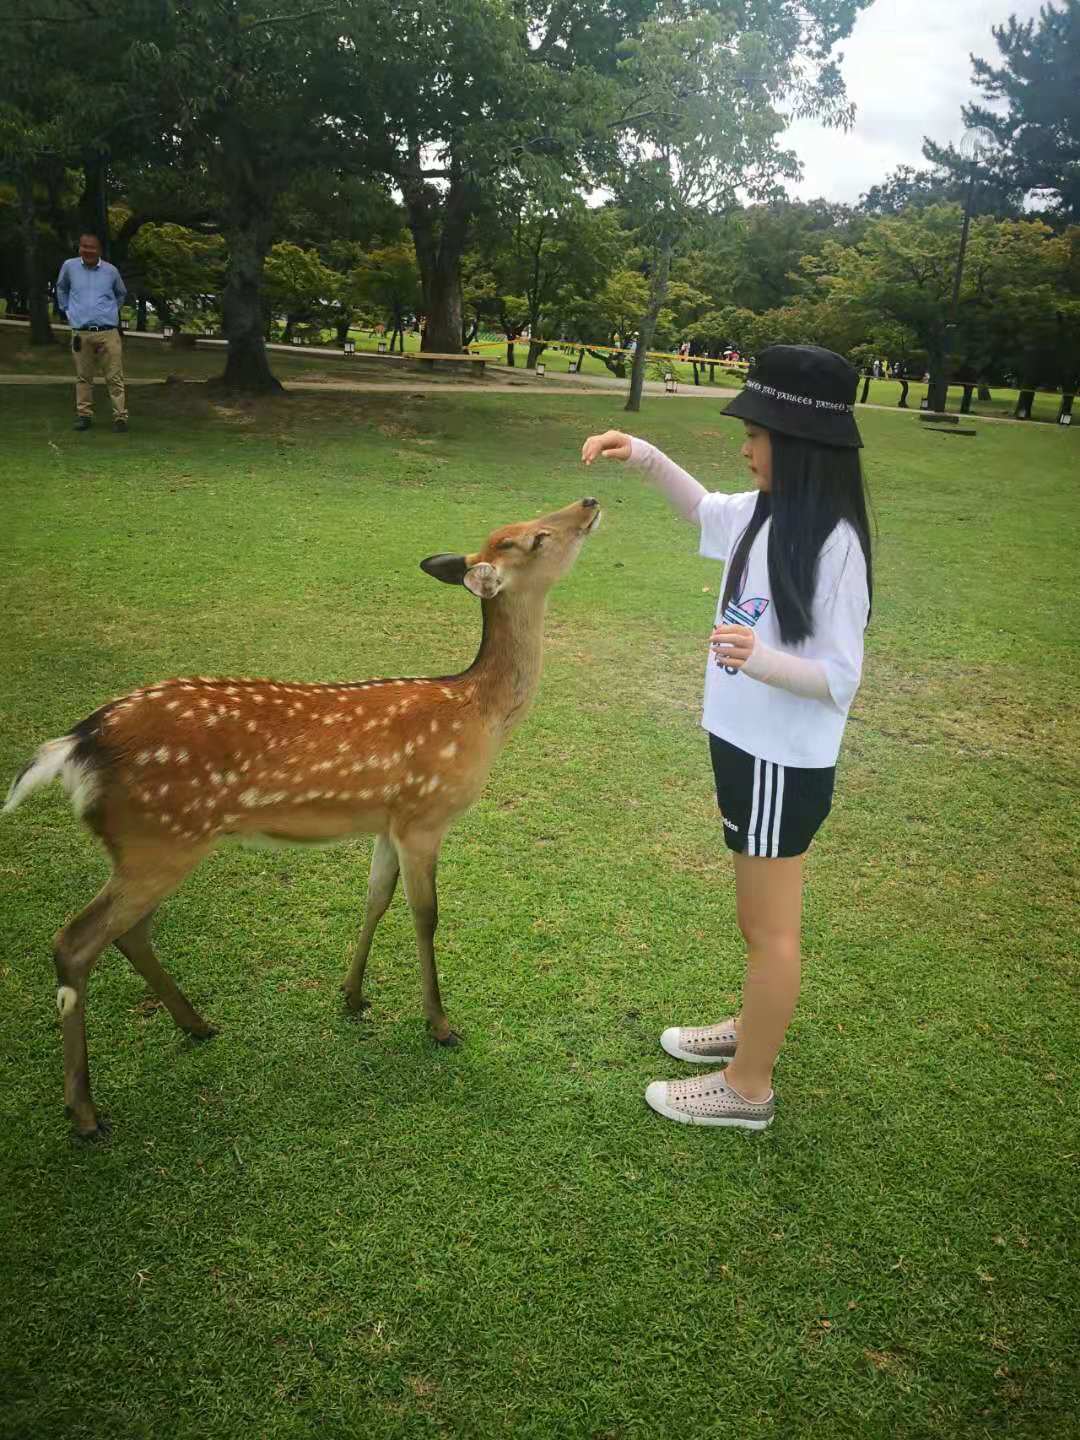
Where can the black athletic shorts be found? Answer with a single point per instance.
(767, 809)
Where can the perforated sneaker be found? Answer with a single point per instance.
(708, 1100)
(704, 1045)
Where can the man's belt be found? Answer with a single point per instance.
(82, 328)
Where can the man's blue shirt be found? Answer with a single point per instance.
(90, 297)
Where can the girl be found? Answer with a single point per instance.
(785, 665)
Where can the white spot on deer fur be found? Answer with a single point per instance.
(187, 714)
(447, 692)
(187, 687)
(434, 727)
(259, 699)
(66, 1000)
(204, 704)
(181, 756)
(163, 789)
(212, 719)
(249, 798)
(371, 725)
(409, 747)
(172, 704)
(456, 726)
(143, 757)
(231, 690)
(364, 794)
(449, 751)
(251, 726)
(331, 718)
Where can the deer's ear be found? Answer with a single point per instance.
(483, 580)
(450, 569)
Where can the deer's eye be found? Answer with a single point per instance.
(541, 536)
(506, 545)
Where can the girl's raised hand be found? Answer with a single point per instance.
(612, 445)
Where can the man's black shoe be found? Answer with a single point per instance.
(83, 423)
(120, 426)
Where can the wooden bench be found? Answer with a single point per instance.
(433, 360)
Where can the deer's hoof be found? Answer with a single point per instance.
(201, 1035)
(355, 1009)
(451, 1040)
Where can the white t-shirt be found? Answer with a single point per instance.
(764, 720)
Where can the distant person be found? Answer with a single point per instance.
(877, 369)
(90, 292)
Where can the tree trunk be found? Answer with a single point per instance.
(647, 328)
(37, 294)
(342, 326)
(1065, 412)
(536, 349)
(510, 354)
(865, 390)
(965, 401)
(984, 392)
(140, 313)
(248, 235)
(1024, 403)
(93, 205)
(440, 231)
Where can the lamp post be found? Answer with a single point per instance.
(973, 145)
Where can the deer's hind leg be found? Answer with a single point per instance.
(131, 893)
(136, 946)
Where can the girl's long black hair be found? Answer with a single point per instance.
(814, 487)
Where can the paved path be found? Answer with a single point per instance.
(563, 386)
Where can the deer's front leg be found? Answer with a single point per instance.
(381, 884)
(419, 854)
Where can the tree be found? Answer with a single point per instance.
(474, 99)
(705, 121)
(1038, 131)
(387, 282)
(176, 267)
(257, 94)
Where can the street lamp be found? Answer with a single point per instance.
(974, 144)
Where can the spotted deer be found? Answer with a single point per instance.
(164, 774)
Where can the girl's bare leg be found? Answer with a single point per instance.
(769, 902)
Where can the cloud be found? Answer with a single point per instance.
(907, 66)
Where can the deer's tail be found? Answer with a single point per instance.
(55, 758)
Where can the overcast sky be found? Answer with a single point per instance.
(907, 67)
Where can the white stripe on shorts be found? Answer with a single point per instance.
(778, 805)
(751, 843)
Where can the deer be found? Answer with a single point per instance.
(163, 775)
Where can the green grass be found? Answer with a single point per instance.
(313, 1227)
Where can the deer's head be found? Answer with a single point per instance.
(523, 559)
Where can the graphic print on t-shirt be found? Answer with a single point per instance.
(743, 612)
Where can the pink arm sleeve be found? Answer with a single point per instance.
(807, 678)
(681, 490)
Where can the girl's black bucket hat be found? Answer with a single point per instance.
(801, 390)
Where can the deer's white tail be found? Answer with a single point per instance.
(55, 757)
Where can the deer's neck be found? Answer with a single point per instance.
(507, 666)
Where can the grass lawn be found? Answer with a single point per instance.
(318, 1227)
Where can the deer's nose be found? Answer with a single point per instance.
(590, 503)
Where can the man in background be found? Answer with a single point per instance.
(91, 292)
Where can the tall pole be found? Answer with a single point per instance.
(938, 389)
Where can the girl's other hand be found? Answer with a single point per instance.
(732, 645)
(612, 445)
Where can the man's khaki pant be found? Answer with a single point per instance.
(99, 350)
